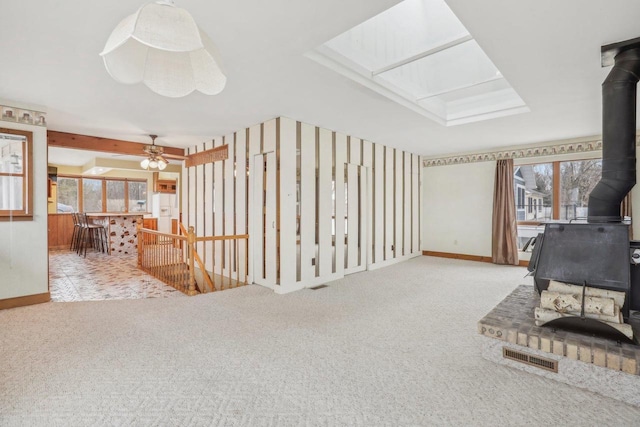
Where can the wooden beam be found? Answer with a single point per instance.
(95, 143)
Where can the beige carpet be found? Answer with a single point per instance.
(381, 348)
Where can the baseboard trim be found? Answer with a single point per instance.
(521, 263)
(59, 247)
(24, 301)
(457, 256)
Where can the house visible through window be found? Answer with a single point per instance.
(16, 173)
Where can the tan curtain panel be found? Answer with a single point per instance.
(505, 229)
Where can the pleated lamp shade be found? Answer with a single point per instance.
(161, 46)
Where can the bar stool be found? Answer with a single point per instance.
(91, 234)
(76, 232)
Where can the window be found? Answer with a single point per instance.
(16, 184)
(67, 194)
(574, 181)
(137, 196)
(92, 195)
(577, 179)
(419, 54)
(101, 194)
(115, 196)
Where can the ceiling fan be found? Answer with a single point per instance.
(155, 153)
(155, 157)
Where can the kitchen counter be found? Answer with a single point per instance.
(121, 229)
(110, 214)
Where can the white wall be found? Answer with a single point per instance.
(468, 188)
(23, 244)
(457, 206)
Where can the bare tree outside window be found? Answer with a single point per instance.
(137, 196)
(67, 193)
(115, 196)
(92, 195)
(577, 179)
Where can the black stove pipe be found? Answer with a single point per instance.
(618, 138)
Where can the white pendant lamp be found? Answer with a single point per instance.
(161, 46)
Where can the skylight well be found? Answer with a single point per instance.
(420, 55)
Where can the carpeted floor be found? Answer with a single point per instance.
(392, 347)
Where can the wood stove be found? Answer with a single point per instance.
(598, 253)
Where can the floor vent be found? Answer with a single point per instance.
(529, 359)
(318, 287)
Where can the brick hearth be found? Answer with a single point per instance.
(512, 321)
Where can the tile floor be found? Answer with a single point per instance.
(101, 277)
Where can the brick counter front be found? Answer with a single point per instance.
(122, 232)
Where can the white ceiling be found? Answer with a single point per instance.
(68, 157)
(548, 50)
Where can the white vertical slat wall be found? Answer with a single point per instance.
(241, 200)
(218, 208)
(229, 202)
(258, 230)
(378, 204)
(270, 248)
(353, 219)
(389, 203)
(255, 147)
(341, 159)
(406, 205)
(307, 202)
(191, 202)
(383, 205)
(207, 228)
(367, 205)
(399, 195)
(325, 202)
(288, 250)
(415, 205)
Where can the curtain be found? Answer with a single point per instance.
(625, 210)
(504, 247)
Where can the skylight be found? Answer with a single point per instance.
(419, 54)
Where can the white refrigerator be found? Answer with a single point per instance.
(164, 206)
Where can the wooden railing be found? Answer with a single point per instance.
(173, 259)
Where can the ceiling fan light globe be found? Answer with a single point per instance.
(153, 164)
(144, 164)
(161, 165)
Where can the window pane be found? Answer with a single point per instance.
(408, 28)
(533, 194)
(115, 196)
(67, 191)
(11, 193)
(137, 196)
(11, 154)
(92, 195)
(577, 179)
